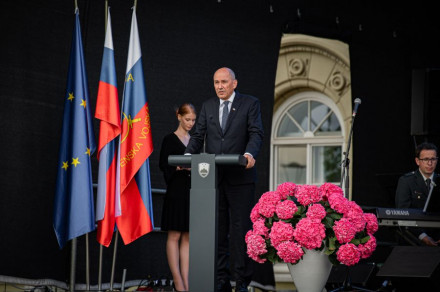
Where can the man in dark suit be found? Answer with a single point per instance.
(413, 190)
(231, 124)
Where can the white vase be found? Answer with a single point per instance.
(311, 273)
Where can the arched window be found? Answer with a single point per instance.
(307, 141)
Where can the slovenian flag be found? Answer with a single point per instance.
(73, 213)
(136, 145)
(107, 111)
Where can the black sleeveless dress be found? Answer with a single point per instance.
(175, 212)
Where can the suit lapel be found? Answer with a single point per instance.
(234, 109)
(421, 183)
(216, 110)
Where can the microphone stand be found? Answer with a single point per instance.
(345, 180)
(345, 185)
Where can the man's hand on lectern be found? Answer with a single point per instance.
(250, 160)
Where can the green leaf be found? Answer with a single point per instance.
(335, 216)
(328, 222)
(327, 251)
(365, 239)
(332, 244)
(355, 241)
(271, 255)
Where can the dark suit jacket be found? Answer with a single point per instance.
(412, 193)
(243, 133)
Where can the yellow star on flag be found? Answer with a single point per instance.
(83, 103)
(71, 97)
(65, 165)
(88, 151)
(75, 161)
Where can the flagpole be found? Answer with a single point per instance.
(73, 265)
(87, 263)
(100, 268)
(74, 243)
(112, 276)
(106, 16)
(101, 248)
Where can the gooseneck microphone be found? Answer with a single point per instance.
(357, 102)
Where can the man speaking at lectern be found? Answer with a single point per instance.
(231, 124)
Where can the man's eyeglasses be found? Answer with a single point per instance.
(427, 160)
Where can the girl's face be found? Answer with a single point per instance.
(187, 121)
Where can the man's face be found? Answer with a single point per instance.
(224, 84)
(427, 161)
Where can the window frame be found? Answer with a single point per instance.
(336, 140)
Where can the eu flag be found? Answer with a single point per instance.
(73, 213)
(135, 148)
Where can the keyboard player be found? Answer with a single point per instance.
(420, 189)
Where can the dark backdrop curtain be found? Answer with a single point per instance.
(183, 43)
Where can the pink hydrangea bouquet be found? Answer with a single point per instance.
(294, 218)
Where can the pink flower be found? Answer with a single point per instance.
(308, 194)
(344, 230)
(316, 212)
(309, 233)
(256, 246)
(328, 189)
(348, 254)
(290, 252)
(372, 225)
(286, 189)
(356, 216)
(255, 213)
(281, 231)
(286, 209)
(267, 203)
(338, 202)
(368, 248)
(260, 228)
(290, 226)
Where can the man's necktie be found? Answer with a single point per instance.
(428, 183)
(225, 114)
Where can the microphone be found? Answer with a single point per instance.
(357, 102)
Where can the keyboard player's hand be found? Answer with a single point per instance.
(429, 241)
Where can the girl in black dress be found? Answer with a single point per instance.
(175, 214)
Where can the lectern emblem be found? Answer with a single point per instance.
(203, 169)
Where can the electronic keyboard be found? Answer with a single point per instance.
(407, 217)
